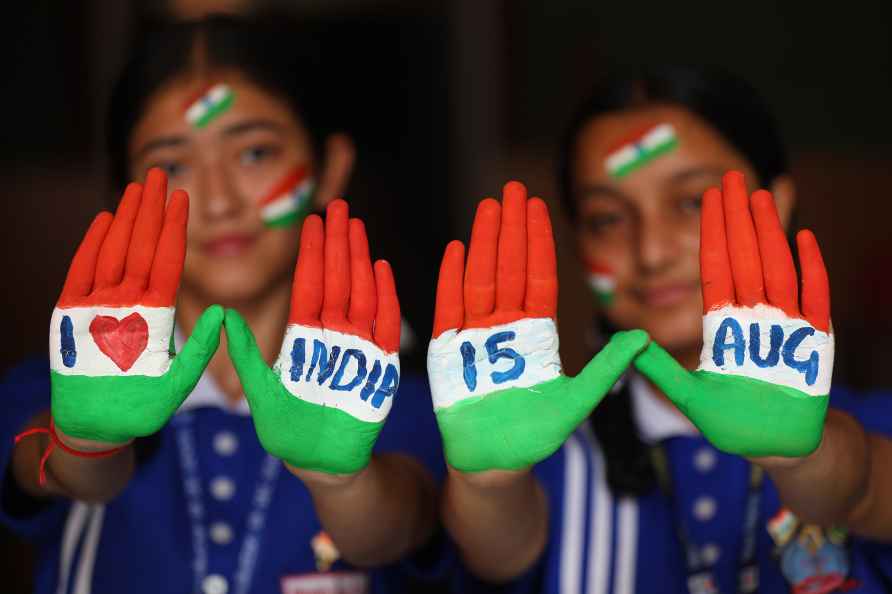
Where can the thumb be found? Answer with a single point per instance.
(673, 379)
(605, 368)
(188, 366)
(256, 376)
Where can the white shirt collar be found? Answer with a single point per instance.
(656, 418)
(207, 393)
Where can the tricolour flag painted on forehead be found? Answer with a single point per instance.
(640, 150)
(111, 340)
(208, 105)
(288, 199)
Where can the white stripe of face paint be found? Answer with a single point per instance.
(288, 202)
(346, 368)
(776, 368)
(534, 342)
(89, 360)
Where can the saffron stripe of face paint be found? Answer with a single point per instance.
(111, 341)
(655, 142)
(210, 105)
(480, 361)
(764, 343)
(289, 200)
(337, 370)
(602, 282)
(289, 208)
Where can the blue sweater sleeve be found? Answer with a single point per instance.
(24, 392)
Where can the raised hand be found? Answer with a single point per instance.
(113, 375)
(323, 403)
(501, 399)
(765, 369)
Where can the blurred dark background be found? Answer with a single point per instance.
(449, 99)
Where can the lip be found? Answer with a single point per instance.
(228, 245)
(666, 295)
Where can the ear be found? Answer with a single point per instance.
(784, 191)
(336, 169)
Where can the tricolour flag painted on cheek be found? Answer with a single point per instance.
(289, 199)
(602, 282)
(209, 105)
(111, 341)
(641, 150)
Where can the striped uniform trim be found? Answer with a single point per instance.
(83, 528)
(586, 554)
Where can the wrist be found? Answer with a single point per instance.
(491, 480)
(318, 481)
(88, 446)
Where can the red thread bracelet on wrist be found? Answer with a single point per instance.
(55, 441)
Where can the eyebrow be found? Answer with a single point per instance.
(695, 172)
(250, 126)
(599, 191)
(159, 143)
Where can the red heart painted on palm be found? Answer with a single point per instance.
(122, 341)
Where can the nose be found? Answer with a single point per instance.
(658, 244)
(219, 198)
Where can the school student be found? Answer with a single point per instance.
(139, 471)
(735, 477)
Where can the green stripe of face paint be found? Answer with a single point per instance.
(294, 217)
(511, 429)
(750, 417)
(215, 111)
(643, 159)
(310, 436)
(112, 409)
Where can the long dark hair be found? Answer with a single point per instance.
(736, 111)
(274, 53)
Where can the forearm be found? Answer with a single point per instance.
(500, 525)
(378, 516)
(95, 480)
(828, 486)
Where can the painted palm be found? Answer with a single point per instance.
(325, 400)
(501, 399)
(112, 373)
(762, 385)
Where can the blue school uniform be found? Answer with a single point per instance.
(600, 543)
(208, 510)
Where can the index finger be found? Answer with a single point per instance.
(79, 280)
(715, 265)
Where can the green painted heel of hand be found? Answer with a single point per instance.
(737, 414)
(513, 429)
(303, 434)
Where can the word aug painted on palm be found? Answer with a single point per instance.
(339, 370)
(764, 343)
(479, 361)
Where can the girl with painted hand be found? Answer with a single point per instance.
(501, 398)
(639, 498)
(763, 383)
(226, 108)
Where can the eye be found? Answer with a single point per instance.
(691, 204)
(171, 168)
(257, 153)
(596, 224)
